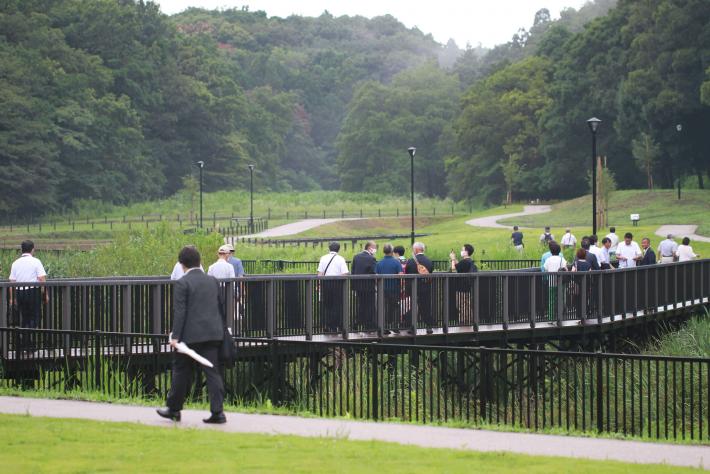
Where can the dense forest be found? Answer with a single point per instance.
(112, 100)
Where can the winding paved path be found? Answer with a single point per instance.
(492, 221)
(680, 231)
(418, 435)
(297, 227)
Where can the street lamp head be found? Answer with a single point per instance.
(593, 124)
(251, 167)
(679, 127)
(412, 151)
(200, 164)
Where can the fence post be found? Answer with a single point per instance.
(612, 297)
(380, 306)
(229, 305)
(66, 318)
(600, 395)
(309, 309)
(375, 383)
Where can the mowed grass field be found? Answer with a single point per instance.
(38, 445)
(655, 208)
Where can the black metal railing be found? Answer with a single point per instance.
(259, 267)
(277, 306)
(649, 396)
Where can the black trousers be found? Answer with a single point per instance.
(29, 305)
(184, 366)
(366, 310)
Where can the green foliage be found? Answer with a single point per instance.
(646, 152)
(691, 340)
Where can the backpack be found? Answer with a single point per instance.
(421, 269)
(548, 236)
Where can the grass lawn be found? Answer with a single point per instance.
(56, 445)
(657, 207)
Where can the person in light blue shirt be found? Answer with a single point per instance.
(389, 265)
(545, 256)
(236, 263)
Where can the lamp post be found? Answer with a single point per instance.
(200, 164)
(593, 124)
(412, 150)
(251, 199)
(679, 128)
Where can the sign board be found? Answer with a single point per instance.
(635, 217)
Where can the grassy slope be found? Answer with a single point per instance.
(51, 445)
(657, 208)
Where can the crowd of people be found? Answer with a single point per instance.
(610, 253)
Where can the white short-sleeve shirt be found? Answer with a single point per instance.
(221, 269)
(27, 269)
(631, 252)
(569, 239)
(332, 264)
(555, 263)
(685, 253)
(614, 241)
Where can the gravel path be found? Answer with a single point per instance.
(418, 435)
(680, 231)
(297, 227)
(492, 221)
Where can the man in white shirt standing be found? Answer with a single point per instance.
(667, 249)
(332, 264)
(569, 241)
(628, 253)
(178, 271)
(222, 269)
(604, 260)
(614, 240)
(28, 269)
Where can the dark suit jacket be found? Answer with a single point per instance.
(423, 284)
(649, 258)
(411, 268)
(363, 264)
(592, 259)
(197, 304)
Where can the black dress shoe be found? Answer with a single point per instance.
(168, 413)
(216, 418)
(429, 331)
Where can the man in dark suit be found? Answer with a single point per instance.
(649, 256)
(364, 264)
(423, 285)
(590, 257)
(198, 322)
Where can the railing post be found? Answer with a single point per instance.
(559, 309)
(309, 309)
(157, 309)
(476, 302)
(380, 306)
(3, 321)
(600, 293)
(447, 303)
(66, 318)
(612, 276)
(229, 305)
(675, 285)
(636, 289)
(345, 314)
(414, 305)
(270, 306)
(506, 308)
(583, 295)
(533, 302)
(126, 308)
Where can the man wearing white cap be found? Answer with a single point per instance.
(222, 268)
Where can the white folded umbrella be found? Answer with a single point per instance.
(184, 349)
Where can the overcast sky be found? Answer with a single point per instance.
(488, 22)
